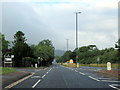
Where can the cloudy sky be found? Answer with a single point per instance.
(55, 20)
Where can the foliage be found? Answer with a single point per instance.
(20, 49)
(4, 44)
(89, 55)
(45, 50)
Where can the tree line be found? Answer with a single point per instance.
(91, 55)
(26, 55)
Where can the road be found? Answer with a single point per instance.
(58, 76)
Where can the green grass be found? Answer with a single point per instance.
(100, 65)
(73, 65)
(6, 70)
(91, 65)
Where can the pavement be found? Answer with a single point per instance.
(62, 77)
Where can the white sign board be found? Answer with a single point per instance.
(108, 66)
(8, 59)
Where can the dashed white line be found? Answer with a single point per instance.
(81, 73)
(114, 87)
(43, 76)
(36, 84)
(47, 73)
(93, 78)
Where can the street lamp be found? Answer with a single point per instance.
(76, 14)
(67, 44)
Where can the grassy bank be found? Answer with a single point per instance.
(6, 70)
(100, 65)
(73, 65)
(89, 65)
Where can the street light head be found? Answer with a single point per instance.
(79, 12)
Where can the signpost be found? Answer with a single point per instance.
(108, 66)
(8, 62)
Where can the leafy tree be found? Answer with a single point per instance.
(45, 50)
(20, 49)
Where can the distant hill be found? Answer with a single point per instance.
(59, 52)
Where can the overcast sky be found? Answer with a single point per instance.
(55, 20)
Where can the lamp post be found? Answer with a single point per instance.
(76, 14)
(67, 44)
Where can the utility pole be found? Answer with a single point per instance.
(67, 44)
(76, 14)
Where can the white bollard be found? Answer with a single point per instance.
(108, 66)
(35, 65)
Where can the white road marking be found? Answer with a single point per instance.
(76, 70)
(36, 84)
(43, 76)
(93, 78)
(104, 78)
(109, 81)
(81, 73)
(35, 77)
(114, 87)
(47, 73)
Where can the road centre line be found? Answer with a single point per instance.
(36, 84)
(43, 76)
(93, 78)
(114, 87)
(47, 73)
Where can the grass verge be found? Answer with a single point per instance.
(90, 65)
(6, 70)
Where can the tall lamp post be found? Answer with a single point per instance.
(76, 14)
(67, 44)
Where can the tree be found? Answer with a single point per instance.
(4, 44)
(45, 50)
(20, 49)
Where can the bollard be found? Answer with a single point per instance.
(78, 65)
(108, 66)
(35, 65)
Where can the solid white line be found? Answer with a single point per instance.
(81, 73)
(109, 81)
(43, 76)
(93, 78)
(114, 87)
(36, 84)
